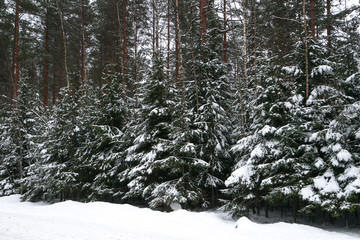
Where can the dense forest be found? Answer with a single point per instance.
(247, 105)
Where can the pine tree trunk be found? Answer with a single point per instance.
(255, 40)
(15, 61)
(83, 65)
(176, 53)
(168, 44)
(295, 208)
(121, 47)
(135, 59)
(54, 87)
(312, 18)
(154, 28)
(245, 43)
(64, 43)
(225, 40)
(237, 77)
(328, 24)
(306, 54)
(266, 210)
(46, 58)
(180, 56)
(124, 84)
(203, 6)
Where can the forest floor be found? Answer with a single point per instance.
(105, 221)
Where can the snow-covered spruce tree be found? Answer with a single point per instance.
(209, 107)
(265, 156)
(20, 136)
(100, 156)
(56, 171)
(326, 152)
(156, 171)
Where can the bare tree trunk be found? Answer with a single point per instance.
(46, 58)
(176, 53)
(124, 84)
(255, 41)
(15, 71)
(180, 55)
(328, 24)
(306, 54)
(225, 25)
(203, 6)
(237, 77)
(121, 48)
(83, 65)
(154, 29)
(312, 18)
(54, 87)
(245, 43)
(168, 44)
(135, 60)
(64, 43)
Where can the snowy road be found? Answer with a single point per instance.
(104, 221)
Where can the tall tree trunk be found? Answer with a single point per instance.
(54, 87)
(180, 56)
(154, 28)
(225, 25)
(255, 41)
(46, 58)
(64, 43)
(121, 47)
(83, 65)
(203, 6)
(328, 24)
(15, 71)
(245, 42)
(168, 44)
(176, 52)
(237, 76)
(124, 83)
(312, 18)
(135, 58)
(306, 54)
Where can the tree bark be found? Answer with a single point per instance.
(180, 56)
(237, 76)
(176, 52)
(245, 43)
(15, 71)
(121, 48)
(306, 54)
(124, 84)
(64, 43)
(255, 41)
(225, 25)
(168, 44)
(46, 58)
(312, 18)
(203, 6)
(328, 24)
(83, 65)
(135, 59)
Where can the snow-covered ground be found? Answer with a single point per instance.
(104, 221)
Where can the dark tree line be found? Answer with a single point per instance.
(251, 106)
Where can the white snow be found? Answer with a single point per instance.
(259, 151)
(105, 221)
(327, 183)
(344, 155)
(242, 174)
(308, 194)
(267, 129)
